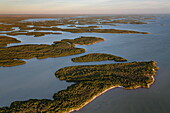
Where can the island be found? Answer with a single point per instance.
(11, 56)
(90, 81)
(9, 63)
(87, 30)
(14, 54)
(84, 40)
(35, 34)
(88, 27)
(125, 21)
(16, 21)
(4, 40)
(98, 57)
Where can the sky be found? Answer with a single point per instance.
(84, 6)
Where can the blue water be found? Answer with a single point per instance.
(36, 79)
(155, 47)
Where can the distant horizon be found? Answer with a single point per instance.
(85, 7)
(92, 14)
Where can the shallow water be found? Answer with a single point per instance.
(36, 79)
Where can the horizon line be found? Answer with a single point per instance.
(81, 14)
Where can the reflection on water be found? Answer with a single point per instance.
(36, 79)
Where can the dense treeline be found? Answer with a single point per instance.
(98, 57)
(136, 72)
(90, 81)
(11, 55)
(42, 51)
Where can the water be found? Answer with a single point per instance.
(154, 46)
(36, 79)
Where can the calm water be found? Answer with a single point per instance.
(36, 79)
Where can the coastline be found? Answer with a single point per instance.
(77, 109)
(90, 43)
(93, 99)
(73, 100)
(95, 95)
(153, 80)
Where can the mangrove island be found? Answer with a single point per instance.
(98, 57)
(89, 82)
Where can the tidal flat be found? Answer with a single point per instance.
(90, 48)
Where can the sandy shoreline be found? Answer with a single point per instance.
(148, 86)
(93, 98)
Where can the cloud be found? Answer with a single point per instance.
(16, 0)
(82, 6)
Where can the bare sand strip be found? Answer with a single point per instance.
(148, 86)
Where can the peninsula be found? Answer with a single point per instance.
(89, 82)
(4, 40)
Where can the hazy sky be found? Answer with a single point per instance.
(84, 6)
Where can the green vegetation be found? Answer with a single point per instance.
(15, 21)
(9, 63)
(93, 30)
(5, 27)
(84, 40)
(42, 51)
(65, 47)
(38, 51)
(89, 29)
(4, 40)
(90, 81)
(36, 34)
(98, 57)
(125, 21)
(137, 73)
